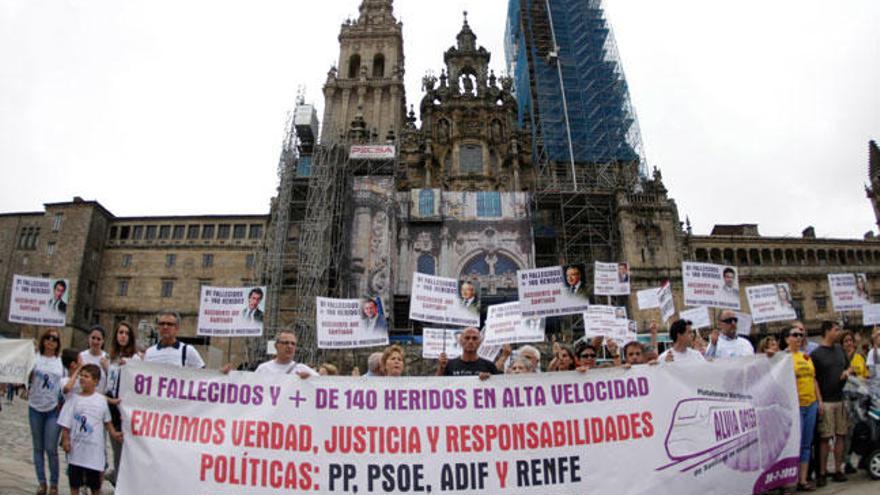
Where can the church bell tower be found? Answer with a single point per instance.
(364, 95)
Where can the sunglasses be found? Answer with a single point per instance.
(796, 335)
(588, 355)
(730, 321)
(52, 337)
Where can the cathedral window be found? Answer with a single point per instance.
(426, 203)
(379, 66)
(471, 159)
(425, 264)
(354, 66)
(488, 204)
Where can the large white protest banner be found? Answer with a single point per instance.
(350, 323)
(611, 279)
(39, 301)
(715, 286)
(871, 314)
(444, 300)
(727, 427)
(666, 301)
(699, 317)
(553, 291)
(848, 291)
(606, 321)
(771, 302)
(647, 298)
(231, 311)
(436, 341)
(505, 325)
(16, 360)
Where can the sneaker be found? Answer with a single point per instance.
(839, 477)
(821, 480)
(849, 469)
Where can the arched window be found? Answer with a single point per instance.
(425, 264)
(379, 66)
(426, 203)
(479, 266)
(354, 66)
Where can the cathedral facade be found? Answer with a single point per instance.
(464, 189)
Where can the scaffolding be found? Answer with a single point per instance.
(572, 96)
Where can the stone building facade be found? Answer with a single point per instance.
(129, 268)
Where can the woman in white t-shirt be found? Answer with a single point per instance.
(123, 347)
(43, 397)
(95, 354)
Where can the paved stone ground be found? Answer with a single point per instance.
(16, 456)
(17, 469)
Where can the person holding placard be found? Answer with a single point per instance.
(283, 364)
(682, 336)
(724, 342)
(469, 363)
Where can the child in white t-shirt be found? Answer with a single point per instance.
(83, 420)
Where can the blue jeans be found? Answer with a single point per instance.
(44, 435)
(808, 427)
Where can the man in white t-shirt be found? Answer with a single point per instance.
(724, 342)
(283, 364)
(169, 350)
(682, 336)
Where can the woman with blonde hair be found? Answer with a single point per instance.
(393, 360)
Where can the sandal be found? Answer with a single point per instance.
(806, 487)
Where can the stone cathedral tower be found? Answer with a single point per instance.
(364, 96)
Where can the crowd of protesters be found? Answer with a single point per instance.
(69, 384)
